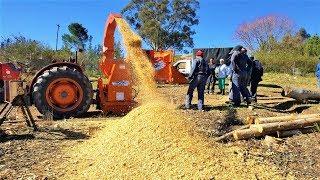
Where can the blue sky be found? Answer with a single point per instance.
(37, 19)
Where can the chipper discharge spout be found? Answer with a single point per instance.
(115, 87)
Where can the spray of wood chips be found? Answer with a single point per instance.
(154, 141)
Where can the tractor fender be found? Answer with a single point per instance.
(41, 71)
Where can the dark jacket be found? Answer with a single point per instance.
(240, 63)
(257, 71)
(199, 67)
(212, 68)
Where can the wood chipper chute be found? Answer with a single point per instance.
(116, 93)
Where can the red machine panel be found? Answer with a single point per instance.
(164, 71)
(9, 71)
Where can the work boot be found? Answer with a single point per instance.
(200, 105)
(188, 102)
(248, 102)
(254, 99)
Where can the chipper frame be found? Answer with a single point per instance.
(116, 94)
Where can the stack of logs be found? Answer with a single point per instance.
(281, 126)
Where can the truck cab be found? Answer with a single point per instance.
(183, 66)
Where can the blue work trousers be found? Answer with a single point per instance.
(198, 82)
(254, 87)
(211, 82)
(238, 88)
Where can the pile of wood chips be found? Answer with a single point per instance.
(156, 141)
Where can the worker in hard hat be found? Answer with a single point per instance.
(198, 77)
(240, 64)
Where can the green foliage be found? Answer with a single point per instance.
(312, 46)
(293, 53)
(163, 24)
(77, 38)
(286, 62)
(272, 40)
(118, 50)
(91, 60)
(303, 33)
(24, 50)
(38, 55)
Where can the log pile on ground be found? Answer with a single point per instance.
(282, 126)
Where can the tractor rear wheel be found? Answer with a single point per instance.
(65, 92)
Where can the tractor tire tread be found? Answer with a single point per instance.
(44, 80)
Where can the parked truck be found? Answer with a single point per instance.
(183, 66)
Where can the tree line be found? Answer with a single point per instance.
(274, 40)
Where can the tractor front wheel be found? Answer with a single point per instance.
(62, 91)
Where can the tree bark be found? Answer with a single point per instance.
(284, 118)
(287, 125)
(246, 134)
(282, 134)
(269, 128)
(229, 136)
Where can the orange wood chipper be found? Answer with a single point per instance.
(63, 89)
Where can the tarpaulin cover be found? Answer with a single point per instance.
(215, 53)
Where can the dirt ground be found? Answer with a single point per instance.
(33, 155)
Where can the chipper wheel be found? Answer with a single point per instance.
(62, 91)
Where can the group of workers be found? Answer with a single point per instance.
(241, 72)
(217, 72)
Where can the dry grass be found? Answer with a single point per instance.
(308, 82)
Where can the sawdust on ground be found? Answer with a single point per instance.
(156, 141)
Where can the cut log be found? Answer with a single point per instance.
(301, 94)
(282, 134)
(229, 136)
(283, 118)
(288, 125)
(271, 128)
(246, 134)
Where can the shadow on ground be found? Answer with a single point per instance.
(291, 106)
(5, 137)
(270, 86)
(230, 119)
(45, 134)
